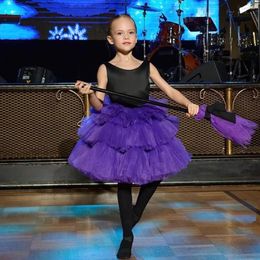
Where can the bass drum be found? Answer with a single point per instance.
(166, 60)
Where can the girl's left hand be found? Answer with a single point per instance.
(193, 109)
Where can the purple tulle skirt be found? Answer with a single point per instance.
(129, 145)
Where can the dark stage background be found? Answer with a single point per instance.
(70, 60)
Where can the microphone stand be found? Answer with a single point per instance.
(144, 30)
(179, 11)
(206, 54)
(258, 28)
(230, 18)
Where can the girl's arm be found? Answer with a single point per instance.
(172, 93)
(95, 98)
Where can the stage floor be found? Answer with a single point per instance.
(181, 222)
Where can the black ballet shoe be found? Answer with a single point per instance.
(124, 251)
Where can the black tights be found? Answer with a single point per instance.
(130, 214)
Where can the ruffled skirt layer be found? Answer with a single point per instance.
(129, 145)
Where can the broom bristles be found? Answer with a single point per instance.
(240, 132)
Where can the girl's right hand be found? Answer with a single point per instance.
(83, 87)
(193, 109)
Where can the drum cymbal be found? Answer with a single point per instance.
(145, 8)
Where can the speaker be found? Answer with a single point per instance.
(209, 72)
(36, 75)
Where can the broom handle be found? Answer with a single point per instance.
(176, 108)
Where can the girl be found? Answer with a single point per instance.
(125, 141)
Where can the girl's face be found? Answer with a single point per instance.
(123, 34)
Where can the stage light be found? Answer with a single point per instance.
(57, 34)
(12, 8)
(75, 33)
(10, 31)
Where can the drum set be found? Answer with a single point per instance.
(166, 52)
(174, 62)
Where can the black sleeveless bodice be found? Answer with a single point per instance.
(133, 82)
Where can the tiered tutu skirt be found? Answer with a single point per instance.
(129, 145)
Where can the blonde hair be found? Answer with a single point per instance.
(117, 17)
